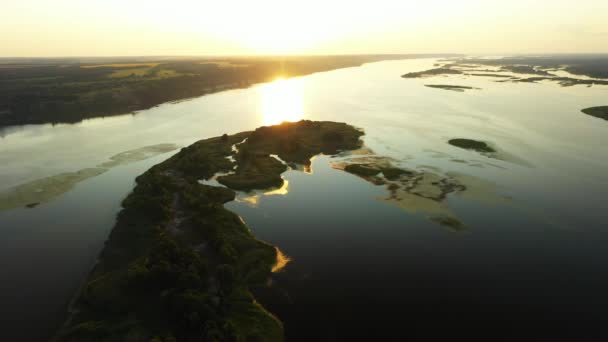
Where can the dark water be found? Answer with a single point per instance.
(48, 251)
(362, 269)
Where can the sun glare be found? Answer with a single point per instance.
(282, 100)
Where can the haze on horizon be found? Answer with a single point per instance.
(40, 28)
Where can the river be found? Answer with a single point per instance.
(531, 256)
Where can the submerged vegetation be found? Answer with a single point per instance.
(599, 112)
(39, 191)
(450, 222)
(178, 265)
(413, 191)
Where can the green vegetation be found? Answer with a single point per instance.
(470, 144)
(292, 143)
(491, 75)
(526, 69)
(392, 173)
(592, 65)
(542, 68)
(432, 72)
(370, 170)
(412, 191)
(70, 90)
(450, 87)
(362, 170)
(178, 265)
(599, 112)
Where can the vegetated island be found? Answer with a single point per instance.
(178, 266)
(411, 190)
(599, 112)
(432, 72)
(68, 90)
(470, 144)
(457, 88)
(527, 69)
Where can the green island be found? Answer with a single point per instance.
(415, 191)
(178, 266)
(599, 112)
(457, 88)
(525, 69)
(470, 144)
(68, 90)
(432, 72)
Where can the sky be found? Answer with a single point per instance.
(41, 28)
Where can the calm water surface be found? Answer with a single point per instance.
(532, 259)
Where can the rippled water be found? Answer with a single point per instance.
(532, 254)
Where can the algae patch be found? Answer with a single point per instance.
(138, 155)
(415, 191)
(45, 189)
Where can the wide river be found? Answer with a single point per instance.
(532, 255)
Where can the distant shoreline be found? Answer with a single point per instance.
(70, 90)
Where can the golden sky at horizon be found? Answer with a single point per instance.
(39, 28)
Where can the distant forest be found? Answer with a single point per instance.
(35, 91)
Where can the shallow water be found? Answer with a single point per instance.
(532, 253)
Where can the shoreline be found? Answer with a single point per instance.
(78, 92)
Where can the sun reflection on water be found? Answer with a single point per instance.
(253, 198)
(282, 100)
(282, 261)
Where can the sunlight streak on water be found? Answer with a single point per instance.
(253, 198)
(282, 261)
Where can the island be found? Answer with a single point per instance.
(457, 88)
(432, 72)
(470, 144)
(178, 266)
(575, 69)
(599, 112)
